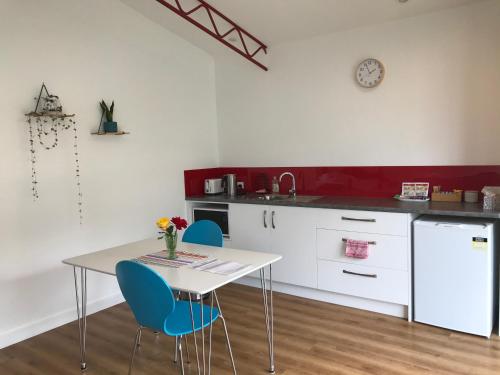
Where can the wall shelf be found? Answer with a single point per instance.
(52, 114)
(113, 133)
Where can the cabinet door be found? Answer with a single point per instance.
(293, 235)
(249, 227)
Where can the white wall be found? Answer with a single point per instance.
(165, 96)
(439, 103)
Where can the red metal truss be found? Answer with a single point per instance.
(245, 38)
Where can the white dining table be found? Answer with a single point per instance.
(184, 278)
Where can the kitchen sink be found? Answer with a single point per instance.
(273, 197)
(281, 197)
(304, 198)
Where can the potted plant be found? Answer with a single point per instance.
(109, 125)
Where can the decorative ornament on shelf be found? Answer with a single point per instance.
(108, 126)
(48, 119)
(168, 230)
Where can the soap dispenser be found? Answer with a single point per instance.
(276, 185)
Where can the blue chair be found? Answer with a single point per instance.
(154, 306)
(204, 232)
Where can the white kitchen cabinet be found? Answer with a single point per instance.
(385, 251)
(293, 235)
(383, 276)
(364, 221)
(249, 227)
(289, 231)
(368, 282)
(312, 243)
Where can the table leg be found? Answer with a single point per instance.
(194, 333)
(269, 314)
(210, 334)
(202, 333)
(81, 311)
(225, 332)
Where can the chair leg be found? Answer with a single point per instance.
(134, 349)
(176, 352)
(177, 297)
(179, 349)
(139, 338)
(187, 349)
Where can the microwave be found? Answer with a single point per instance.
(220, 216)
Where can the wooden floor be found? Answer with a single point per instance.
(311, 338)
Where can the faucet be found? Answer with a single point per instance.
(292, 191)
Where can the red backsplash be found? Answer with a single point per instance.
(351, 181)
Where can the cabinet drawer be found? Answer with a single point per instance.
(384, 250)
(363, 221)
(360, 281)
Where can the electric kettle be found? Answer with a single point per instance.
(229, 184)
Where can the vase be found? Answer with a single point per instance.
(171, 240)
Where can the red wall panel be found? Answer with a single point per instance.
(351, 181)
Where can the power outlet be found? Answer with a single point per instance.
(241, 185)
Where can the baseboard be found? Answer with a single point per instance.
(399, 311)
(48, 323)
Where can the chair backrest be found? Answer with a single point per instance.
(204, 232)
(146, 292)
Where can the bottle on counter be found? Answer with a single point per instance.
(276, 185)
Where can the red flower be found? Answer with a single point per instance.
(179, 223)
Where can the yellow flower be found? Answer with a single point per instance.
(163, 222)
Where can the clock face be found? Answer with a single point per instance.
(370, 73)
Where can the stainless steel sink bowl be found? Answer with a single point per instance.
(281, 197)
(304, 198)
(273, 197)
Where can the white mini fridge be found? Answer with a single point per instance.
(455, 273)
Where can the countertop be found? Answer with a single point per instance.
(360, 203)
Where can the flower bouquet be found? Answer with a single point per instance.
(168, 230)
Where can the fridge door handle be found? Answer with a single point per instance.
(458, 225)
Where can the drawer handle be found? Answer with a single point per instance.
(265, 221)
(372, 275)
(369, 242)
(355, 219)
(272, 220)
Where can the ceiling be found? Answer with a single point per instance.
(278, 21)
(281, 21)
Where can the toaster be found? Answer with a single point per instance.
(213, 186)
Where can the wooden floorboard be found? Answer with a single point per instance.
(311, 337)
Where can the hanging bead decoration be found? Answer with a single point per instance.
(77, 169)
(45, 123)
(33, 161)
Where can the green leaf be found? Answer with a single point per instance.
(108, 112)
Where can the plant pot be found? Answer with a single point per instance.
(110, 126)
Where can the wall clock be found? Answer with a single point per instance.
(370, 73)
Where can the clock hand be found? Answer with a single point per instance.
(369, 71)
